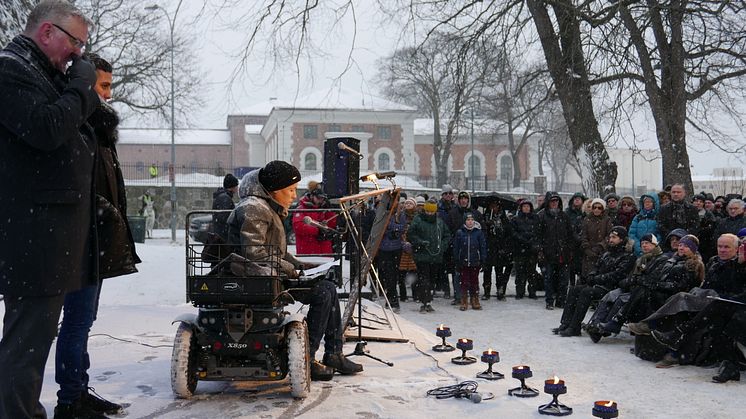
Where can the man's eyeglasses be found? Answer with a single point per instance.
(75, 41)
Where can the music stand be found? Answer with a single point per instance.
(357, 239)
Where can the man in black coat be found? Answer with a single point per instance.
(525, 229)
(47, 238)
(556, 236)
(678, 213)
(613, 266)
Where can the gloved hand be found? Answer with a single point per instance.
(82, 69)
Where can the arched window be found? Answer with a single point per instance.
(475, 166)
(309, 162)
(384, 162)
(506, 168)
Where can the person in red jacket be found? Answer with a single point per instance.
(310, 239)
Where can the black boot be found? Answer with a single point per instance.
(340, 363)
(570, 331)
(728, 371)
(559, 329)
(614, 325)
(98, 404)
(670, 339)
(76, 410)
(320, 372)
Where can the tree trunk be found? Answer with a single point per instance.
(567, 67)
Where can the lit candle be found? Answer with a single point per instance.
(465, 344)
(554, 386)
(522, 371)
(605, 409)
(490, 357)
(443, 331)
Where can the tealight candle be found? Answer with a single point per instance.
(606, 409)
(555, 386)
(465, 344)
(522, 371)
(490, 357)
(443, 331)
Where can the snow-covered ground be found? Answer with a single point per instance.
(131, 349)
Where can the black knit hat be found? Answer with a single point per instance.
(620, 232)
(278, 175)
(230, 181)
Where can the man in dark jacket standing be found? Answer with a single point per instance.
(222, 199)
(117, 257)
(556, 239)
(678, 214)
(525, 226)
(47, 239)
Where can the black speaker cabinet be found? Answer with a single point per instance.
(341, 168)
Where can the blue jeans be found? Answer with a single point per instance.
(555, 282)
(71, 359)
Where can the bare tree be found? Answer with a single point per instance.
(443, 79)
(515, 95)
(683, 58)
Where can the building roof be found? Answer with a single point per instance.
(338, 99)
(182, 136)
(424, 126)
(253, 128)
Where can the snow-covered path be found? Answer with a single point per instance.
(131, 350)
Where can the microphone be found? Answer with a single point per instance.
(310, 221)
(345, 147)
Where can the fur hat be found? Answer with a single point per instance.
(598, 201)
(650, 238)
(230, 181)
(278, 175)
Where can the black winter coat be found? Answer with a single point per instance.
(729, 225)
(613, 266)
(222, 199)
(726, 277)
(498, 231)
(675, 215)
(47, 158)
(557, 239)
(680, 275)
(116, 247)
(525, 234)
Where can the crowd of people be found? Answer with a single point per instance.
(651, 263)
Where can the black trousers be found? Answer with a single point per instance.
(324, 318)
(425, 273)
(642, 302)
(525, 273)
(579, 299)
(388, 273)
(29, 327)
(502, 276)
(714, 318)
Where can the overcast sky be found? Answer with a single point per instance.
(375, 37)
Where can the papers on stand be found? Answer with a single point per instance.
(321, 269)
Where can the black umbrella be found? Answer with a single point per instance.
(483, 200)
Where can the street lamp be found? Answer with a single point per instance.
(172, 169)
(471, 158)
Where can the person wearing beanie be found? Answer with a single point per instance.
(594, 233)
(420, 203)
(645, 221)
(430, 238)
(456, 219)
(470, 255)
(497, 231)
(680, 272)
(671, 243)
(612, 267)
(222, 200)
(650, 238)
(266, 194)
